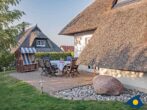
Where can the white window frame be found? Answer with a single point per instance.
(41, 43)
(119, 2)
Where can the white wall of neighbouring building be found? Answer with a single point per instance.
(80, 41)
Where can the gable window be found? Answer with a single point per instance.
(119, 3)
(41, 43)
(124, 1)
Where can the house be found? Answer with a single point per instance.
(117, 30)
(65, 48)
(81, 36)
(34, 37)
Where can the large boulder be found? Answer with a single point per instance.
(107, 85)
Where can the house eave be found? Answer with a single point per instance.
(77, 32)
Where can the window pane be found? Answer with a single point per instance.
(123, 2)
(41, 43)
(120, 1)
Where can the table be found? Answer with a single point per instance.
(60, 64)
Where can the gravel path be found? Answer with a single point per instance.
(87, 93)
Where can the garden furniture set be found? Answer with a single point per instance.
(68, 68)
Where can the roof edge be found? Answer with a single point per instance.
(73, 33)
(69, 29)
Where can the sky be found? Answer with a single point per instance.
(51, 16)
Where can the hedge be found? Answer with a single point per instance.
(53, 55)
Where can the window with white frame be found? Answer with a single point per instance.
(123, 2)
(41, 43)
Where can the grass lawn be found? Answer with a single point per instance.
(17, 95)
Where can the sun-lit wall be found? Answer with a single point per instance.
(120, 73)
(80, 41)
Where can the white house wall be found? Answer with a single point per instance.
(80, 41)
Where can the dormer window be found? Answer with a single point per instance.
(119, 3)
(41, 43)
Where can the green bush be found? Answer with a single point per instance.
(72, 54)
(53, 55)
(6, 60)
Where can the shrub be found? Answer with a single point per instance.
(72, 54)
(6, 60)
(53, 55)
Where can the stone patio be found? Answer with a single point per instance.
(53, 84)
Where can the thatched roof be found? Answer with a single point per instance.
(85, 21)
(27, 38)
(120, 39)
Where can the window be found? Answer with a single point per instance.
(78, 41)
(122, 2)
(41, 43)
(87, 40)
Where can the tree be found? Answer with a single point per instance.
(21, 27)
(8, 31)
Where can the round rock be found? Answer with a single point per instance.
(107, 85)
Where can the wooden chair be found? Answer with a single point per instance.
(51, 69)
(71, 69)
(43, 68)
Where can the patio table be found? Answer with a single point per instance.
(60, 64)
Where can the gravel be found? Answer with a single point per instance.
(87, 93)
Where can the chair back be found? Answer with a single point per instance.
(47, 63)
(49, 66)
(73, 63)
(41, 63)
(68, 58)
